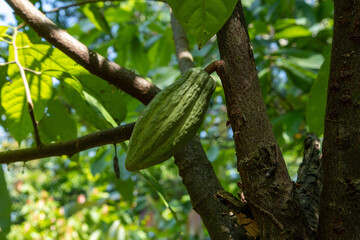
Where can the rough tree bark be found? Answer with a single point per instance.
(309, 181)
(265, 180)
(340, 205)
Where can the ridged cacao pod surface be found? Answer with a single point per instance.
(170, 120)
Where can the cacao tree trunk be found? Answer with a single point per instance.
(268, 189)
(340, 199)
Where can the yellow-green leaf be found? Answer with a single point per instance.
(202, 19)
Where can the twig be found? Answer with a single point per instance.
(27, 91)
(32, 71)
(83, 3)
(108, 136)
(78, 4)
(214, 66)
(6, 63)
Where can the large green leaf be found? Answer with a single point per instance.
(110, 98)
(3, 30)
(5, 207)
(126, 188)
(301, 77)
(289, 122)
(94, 15)
(52, 58)
(118, 15)
(315, 109)
(57, 64)
(160, 52)
(293, 32)
(57, 125)
(97, 107)
(202, 19)
(13, 97)
(100, 161)
(139, 58)
(83, 108)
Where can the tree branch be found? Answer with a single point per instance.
(265, 179)
(7, 63)
(198, 175)
(79, 4)
(111, 72)
(108, 136)
(340, 209)
(183, 54)
(87, 2)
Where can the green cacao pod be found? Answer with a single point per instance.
(170, 120)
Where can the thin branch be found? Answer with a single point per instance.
(88, 2)
(6, 63)
(32, 71)
(27, 91)
(120, 77)
(78, 4)
(108, 136)
(214, 66)
(183, 54)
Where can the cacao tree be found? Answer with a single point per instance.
(76, 77)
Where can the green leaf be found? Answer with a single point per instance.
(57, 125)
(212, 153)
(118, 15)
(22, 40)
(284, 23)
(293, 32)
(124, 173)
(93, 14)
(139, 57)
(56, 64)
(258, 27)
(106, 95)
(164, 76)
(146, 174)
(301, 77)
(52, 58)
(202, 19)
(13, 97)
(5, 207)
(3, 30)
(125, 187)
(315, 109)
(312, 62)
(289, 122)
(15, 104)
(77, 100)
(100, 162)
(264, 78)
(161, 51)
(98, 107)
